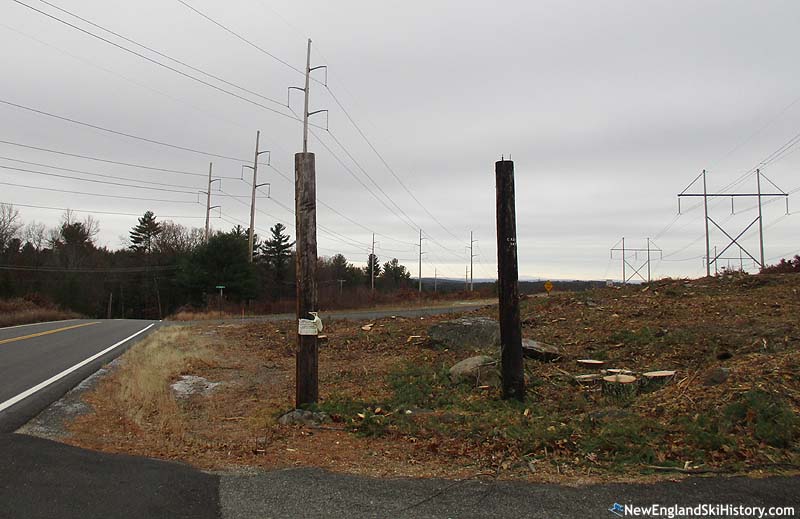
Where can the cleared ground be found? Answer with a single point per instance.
(565, 431)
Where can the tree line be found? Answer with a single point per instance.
(165, 266)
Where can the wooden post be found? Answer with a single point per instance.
(307, 381)
(110, 301)
(513, 372)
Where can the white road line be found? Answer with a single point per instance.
(25, 394)
(34, 324)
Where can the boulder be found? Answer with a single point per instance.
(466, 333)
(716, 376)
(480, 371)
(302, 417)
(540, 351)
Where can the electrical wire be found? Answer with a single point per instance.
(121, 197)
(114, 213)
(156, 62)
(107, 161)
(123, 134)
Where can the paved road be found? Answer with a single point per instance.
(44, 479)
(41, 362)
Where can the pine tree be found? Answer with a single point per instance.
(143, 234)
(373, 267)
(276, 252)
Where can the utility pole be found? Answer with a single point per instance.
(256, 185)
(341, 283)
(708, 242)
(435, 279)
(624, 278)
(636, 268)
(372, 266)
(760, 218)
(471, 256)
(307, 355)
(513, 375)
(734, 240)
(420, 261)
(209, 207)
(110, 299)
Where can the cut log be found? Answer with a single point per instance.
(653, 380)
(591, 363)
(619, 386)
(540, 351)
(590, 379)
(617, 371)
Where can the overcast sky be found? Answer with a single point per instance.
(608, 109)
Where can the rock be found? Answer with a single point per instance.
(466, 333)
(540, 351)
(190, 385)
(716, 376)
(480, 371)
(302, 417)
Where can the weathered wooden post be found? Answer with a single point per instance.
(307, 381)
(513, 367)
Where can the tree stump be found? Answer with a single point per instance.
(588, 380)
(653, 380)
(619, 387)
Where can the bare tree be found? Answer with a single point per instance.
(9, 224)
(35, 233)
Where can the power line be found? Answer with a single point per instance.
(115, 213)
(98, 194)
(96, 181)
(108, 176)
(123, 134)
(173, 69)
(242, 38)
(383, 160)
(82, 172)
(107, 161)
(335, 211)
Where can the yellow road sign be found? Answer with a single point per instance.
(548, 286)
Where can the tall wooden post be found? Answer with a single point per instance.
(307, 381)
(513, 369)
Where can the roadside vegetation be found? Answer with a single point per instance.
(166, 268)
(731, 406)
(18, 311)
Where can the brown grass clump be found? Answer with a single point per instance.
(140, 389)
(18, 311)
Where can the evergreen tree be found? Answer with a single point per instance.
(373, 267)
(144, 233)
(276, 252)
(394, 274)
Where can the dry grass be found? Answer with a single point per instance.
(14, 312)
(140, 388)
(187, 315)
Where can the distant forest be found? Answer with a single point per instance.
(167, 267)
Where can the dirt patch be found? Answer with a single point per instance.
(396, 413)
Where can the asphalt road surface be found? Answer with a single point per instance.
(41, 362)
(44, 479)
